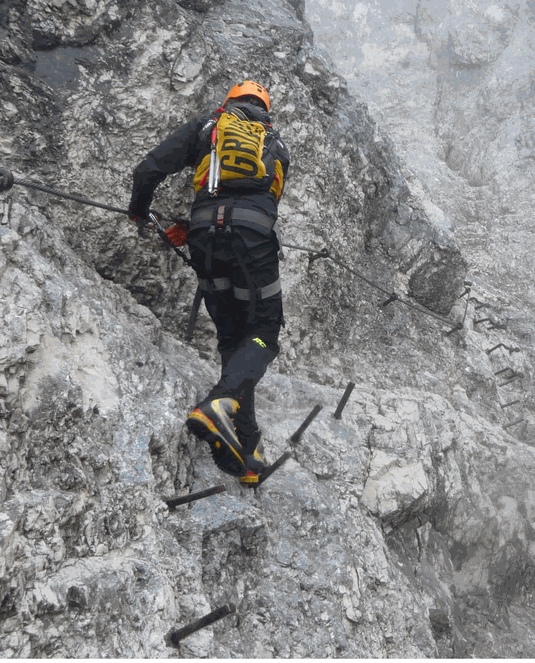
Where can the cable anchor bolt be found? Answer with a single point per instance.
(457, 327)
(391, 299)
(324, 253)
(6, 179)
(467, 291)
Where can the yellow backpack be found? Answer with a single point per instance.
(240, 157)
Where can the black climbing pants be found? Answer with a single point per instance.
(239, 276)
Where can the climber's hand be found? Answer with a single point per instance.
(140, 221)
(178, 234)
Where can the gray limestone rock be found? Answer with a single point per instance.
(403, 529)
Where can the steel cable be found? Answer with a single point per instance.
(323, 253)
(77, 198)
(392, 297)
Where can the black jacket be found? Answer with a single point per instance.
(187, 147)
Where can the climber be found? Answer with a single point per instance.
(240, 163)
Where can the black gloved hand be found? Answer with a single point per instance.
(178, 234)
(139, 219)
(143, 222)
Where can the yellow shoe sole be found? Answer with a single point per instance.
(250, 478)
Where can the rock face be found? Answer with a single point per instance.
(403, 529)
(451, 83)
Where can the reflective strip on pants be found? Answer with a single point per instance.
(220, 284)
(244, 294)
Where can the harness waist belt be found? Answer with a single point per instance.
(244, 294)
(239, 216)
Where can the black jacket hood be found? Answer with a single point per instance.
(251, 111)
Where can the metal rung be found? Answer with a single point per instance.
(504, 370)
(513, 423)
(192, 497)
(500, 345)
(306, 423)
(343, 400)
(176, 636)
(510, 404)
(275, 466)
(515, 377)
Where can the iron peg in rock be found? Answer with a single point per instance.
(343, 400)
(275, 466)
(500, 345)
(513, 423)
(192, 497)
(504, 370)
(511, 403)
(306, 423)
(391, 299)
(516, 376)
(175, 637)
(457, 327)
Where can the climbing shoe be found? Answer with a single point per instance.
(254, 458)
(255, 466)
(213, 421)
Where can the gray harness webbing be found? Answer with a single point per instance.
(244, 294)
(265, 292)
(238, 217)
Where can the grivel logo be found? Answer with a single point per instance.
(240, 152)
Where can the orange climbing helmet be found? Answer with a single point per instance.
(249, 88)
